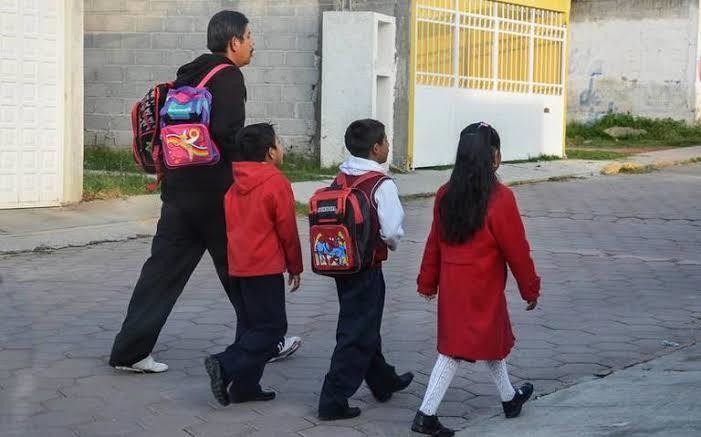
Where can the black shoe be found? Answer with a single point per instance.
(430, 425)
(216, 381)
(259, 396)
(401, 383)
(513, 407)
(347, 413)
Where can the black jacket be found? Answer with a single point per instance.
(228, 114)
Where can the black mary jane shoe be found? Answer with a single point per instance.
(513, 407)
(430, 425)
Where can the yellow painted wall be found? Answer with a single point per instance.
(551, 5)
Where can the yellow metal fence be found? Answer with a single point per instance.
(489, 45)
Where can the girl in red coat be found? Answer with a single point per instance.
(476, 232)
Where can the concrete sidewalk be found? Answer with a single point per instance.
(657, 398)
(122, 219)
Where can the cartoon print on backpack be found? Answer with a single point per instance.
(188, 143)
(331, 250)
(342, 225)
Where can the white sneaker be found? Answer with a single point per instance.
(285, 348)
(147, 365)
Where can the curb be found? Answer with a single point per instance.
(144, 228)
(126, 231)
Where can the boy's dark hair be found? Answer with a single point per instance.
(361, 135)
(253, 142)
(224, 26)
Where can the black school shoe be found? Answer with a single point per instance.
(400, 384)
(430, 425)
(216, 381)
(513, 407)
(346, 413)
(257, 396)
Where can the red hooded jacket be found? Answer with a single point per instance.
(261, 224)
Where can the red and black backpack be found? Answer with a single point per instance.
(145, 123)
(343, 225)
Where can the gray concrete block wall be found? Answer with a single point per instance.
(129, 46)
(637, 56)
(132, 44)
(283, 78)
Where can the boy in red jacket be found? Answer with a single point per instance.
(263, 243)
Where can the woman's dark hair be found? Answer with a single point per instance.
(463, 207)
(254, 141)
(224, 26)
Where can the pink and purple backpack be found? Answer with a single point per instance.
(184, 121)
(171, 126)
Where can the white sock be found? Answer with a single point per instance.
(441, 376)
(501, 379)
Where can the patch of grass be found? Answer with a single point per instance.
(109, 159)
(438, 167)
(594, 154)
(398, 170)
(538, 158)
(564, 178)
(299, 168)
(302, 208)
(121, 178)
(296, 167)
(408, 197)
(98, 186)
(526, 182)
(660, 133)
(534, 159)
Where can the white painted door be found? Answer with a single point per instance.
(31, 102)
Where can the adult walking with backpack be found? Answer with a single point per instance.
(193, 127)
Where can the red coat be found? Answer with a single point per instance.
(261, 223)
(473, 321)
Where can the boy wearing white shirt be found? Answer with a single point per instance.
(358, 353)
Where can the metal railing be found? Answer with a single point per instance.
(488, 45)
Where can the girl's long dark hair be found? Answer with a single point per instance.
(463, 207)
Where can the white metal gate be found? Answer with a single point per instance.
(31, 102)
(482, 60)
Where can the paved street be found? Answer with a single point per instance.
(619, 256)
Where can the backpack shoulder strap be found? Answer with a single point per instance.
(379, 180)
(367, 176)
(340, 180)
(376, 179)
(211, 74)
